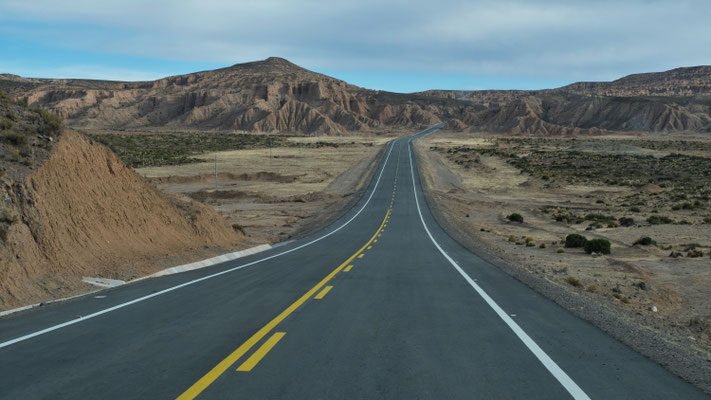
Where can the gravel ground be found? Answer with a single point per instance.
(666, 350)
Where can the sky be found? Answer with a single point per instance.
(394, 45)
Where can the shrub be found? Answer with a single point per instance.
(515, 217)
(542, 245)
(560, 250)
(14, 138)
(238, 228)
(635, 209)
(599, 217)
(11, 116)
(707, 220)
(7, 217)
(659, 220)
(5, 124)
(52, 121)
(574, 281)
(626, 221)
(598, 246)
(513, 238)
(645, 241)
(574, 240)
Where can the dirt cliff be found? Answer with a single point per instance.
(83, 212)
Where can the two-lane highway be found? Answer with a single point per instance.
(380, 305)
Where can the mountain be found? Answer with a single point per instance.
(276, 95)
(263, 96)
(678, 100)
(691, 81)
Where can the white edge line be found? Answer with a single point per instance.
(170, 289)
(547, 362)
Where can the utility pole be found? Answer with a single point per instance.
(215, 171)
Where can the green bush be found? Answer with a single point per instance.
(574, 240)
(635, 209)
(597, 246)
(515, 217)
(5, 124)
(645, 241)
(659, 220)
(626, 221)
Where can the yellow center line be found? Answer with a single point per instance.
(370, 247)
(322, 293)
(348, 268)
(220, 368)
(261, 352)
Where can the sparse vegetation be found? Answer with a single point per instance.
(13, 138)
(659, 220)
(173, 149)
(52, 122)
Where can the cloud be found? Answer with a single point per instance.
(543, 39)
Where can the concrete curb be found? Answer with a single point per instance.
(111, 283)
(208, 262)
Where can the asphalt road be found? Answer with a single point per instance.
(380, 305)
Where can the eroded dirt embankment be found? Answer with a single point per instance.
(85, 213)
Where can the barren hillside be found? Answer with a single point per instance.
(72, 209)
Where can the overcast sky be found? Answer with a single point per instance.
(390, 45)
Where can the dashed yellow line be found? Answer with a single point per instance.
(322, 293)
(261, 352)
(197, 388)
(348, 268)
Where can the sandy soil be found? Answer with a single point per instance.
(665, 299)
(273, 199)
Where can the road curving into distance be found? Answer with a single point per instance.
(382, 304)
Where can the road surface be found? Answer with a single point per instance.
(382, 304)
